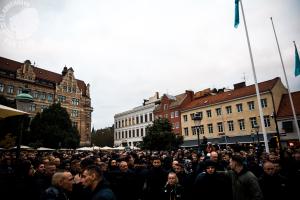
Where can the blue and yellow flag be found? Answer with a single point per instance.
(237, 15)
(297, 62)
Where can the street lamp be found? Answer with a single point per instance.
(256, 129)
(197, 120)
(23, 101)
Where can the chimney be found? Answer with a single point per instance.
(239, 85)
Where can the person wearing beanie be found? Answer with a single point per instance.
(207, 182)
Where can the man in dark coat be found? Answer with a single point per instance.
(92, 178)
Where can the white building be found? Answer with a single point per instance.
(130, 126)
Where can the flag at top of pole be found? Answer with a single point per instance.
(297, 61)
(237, 14)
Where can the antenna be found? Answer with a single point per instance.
(244, 76)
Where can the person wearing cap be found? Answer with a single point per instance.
(245, 184)
(207, 182)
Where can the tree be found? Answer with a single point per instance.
(53, 128)
(159, 136)
(103, 137)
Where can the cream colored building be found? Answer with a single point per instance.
(232, 115)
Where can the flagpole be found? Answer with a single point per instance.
(256, 85)
(286, 80)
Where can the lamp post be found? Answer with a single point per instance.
(23, 101)
(256, 129)
(197, 120)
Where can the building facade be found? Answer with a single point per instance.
(130, 126)
(230, 116)
(285, 118)
(170, 108)
(46, 88)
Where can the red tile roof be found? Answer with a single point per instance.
(285, 109)
(232, 94)
(11, 65)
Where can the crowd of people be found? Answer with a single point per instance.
(234, 173)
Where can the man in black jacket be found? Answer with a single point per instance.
(92, 178)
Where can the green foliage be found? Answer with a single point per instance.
(53, 128)
(103, 137)
(159, 136)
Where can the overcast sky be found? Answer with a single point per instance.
(129, 49)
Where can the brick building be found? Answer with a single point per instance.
(170, 107)
(46, 88)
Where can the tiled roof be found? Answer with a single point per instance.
(285, 109)
(178, 101)
(233, 94)
(11, 65)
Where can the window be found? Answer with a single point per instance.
(172, 115)
(228, 109)
(210, 128)
(176, 113)
(230, 125)
(75, 101)
(146, 118)
(50, 97)
(267, 121)
(74, 113)
(288, 126)
(253, 122)
(10, 89)
(1, 87)
(43, 96)
(186, 131)
(142, 132)
(192, 116)
(218, 111)
(141, 118)
(239, 107)
(185, 118)
(165, 106)
(43, 107)
(200, 114)
(176, 125)
(194, 130)
(220, 127)
(32, 107)
(251, 105)
(75, 124)
(37, 94)
(122, 122)
(137, 132)
(126, 134)
(116, 136)
(201, 127)
(19, 90)
(119, 134)
(133, 133)
(116, 124)
(150, 117)
(130, 133)
(264, 103)
(119, 123)
(122, 134)
(126, 122)
(137, 119)
(208, 112)
(242, 124)
(61, 98)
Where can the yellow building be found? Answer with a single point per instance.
(230, 116)
(46, 88)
